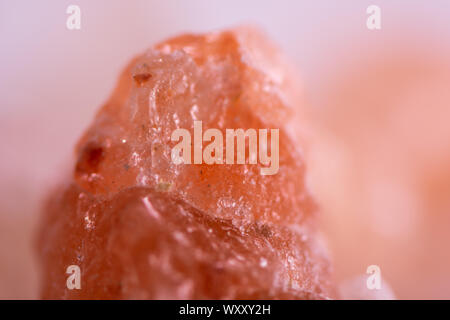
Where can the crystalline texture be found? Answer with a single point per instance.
(140, 226)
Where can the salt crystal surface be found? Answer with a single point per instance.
(160, 230)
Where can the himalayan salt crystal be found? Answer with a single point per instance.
(140, 226)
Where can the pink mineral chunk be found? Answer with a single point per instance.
(140, 226)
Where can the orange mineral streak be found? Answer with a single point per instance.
(140, 226)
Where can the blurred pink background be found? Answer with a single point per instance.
(378, 105)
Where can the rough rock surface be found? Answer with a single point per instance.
(139, 226)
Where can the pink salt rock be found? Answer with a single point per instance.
(140, 226)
